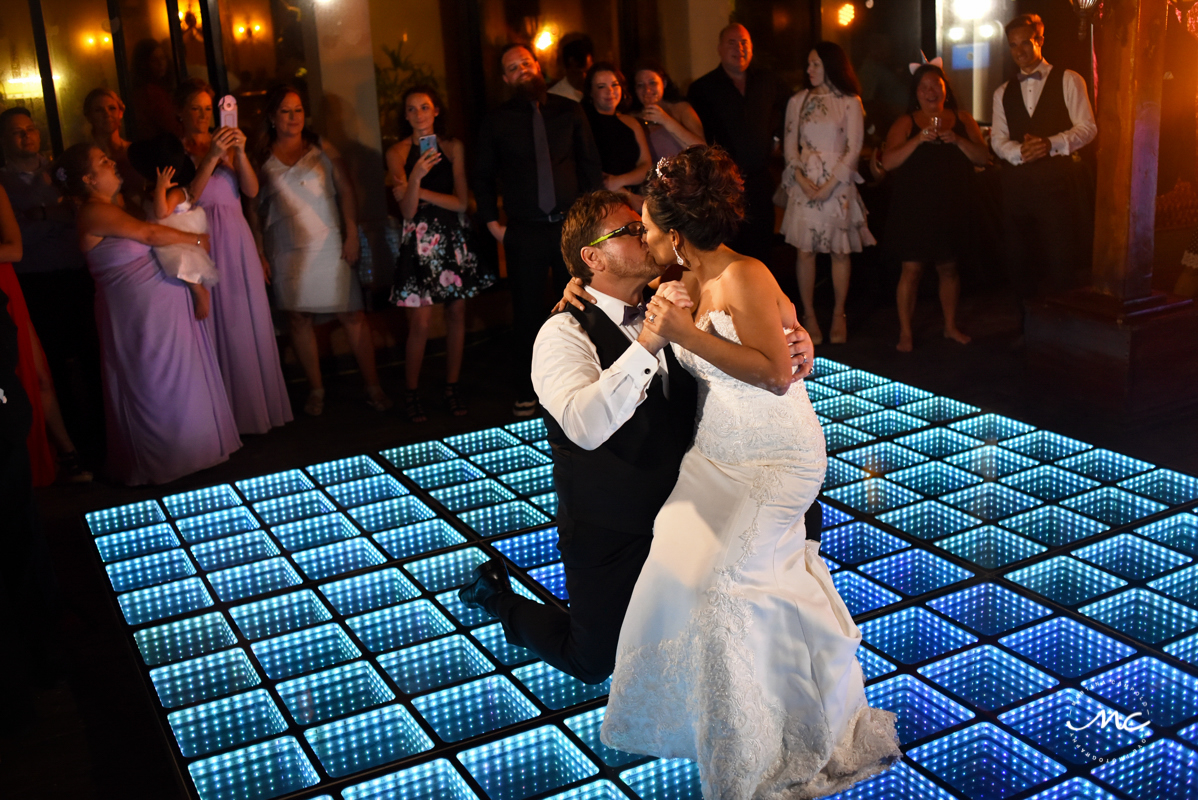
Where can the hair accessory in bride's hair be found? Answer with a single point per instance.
(661, 162)
(61, 174)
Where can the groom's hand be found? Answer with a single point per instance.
(667, 320)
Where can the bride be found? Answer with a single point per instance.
(736, 650)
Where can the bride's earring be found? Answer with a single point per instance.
(678, 256)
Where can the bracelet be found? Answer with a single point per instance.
(199, 242)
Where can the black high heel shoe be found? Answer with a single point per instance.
(454, 401)
(412, 406)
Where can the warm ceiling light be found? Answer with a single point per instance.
(971, 9)
(241, 30)
(544, 40)
(845, 15)
(91, 40)
(257, 28)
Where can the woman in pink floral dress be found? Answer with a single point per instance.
(436, 262)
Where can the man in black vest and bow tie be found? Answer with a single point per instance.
(621, 414)
(1041, 121)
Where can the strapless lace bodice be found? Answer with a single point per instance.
(742, 424)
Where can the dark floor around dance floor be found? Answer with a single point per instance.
(994, 572)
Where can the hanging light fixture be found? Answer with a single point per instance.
(1085, 13)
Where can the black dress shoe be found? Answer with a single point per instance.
(490, 581)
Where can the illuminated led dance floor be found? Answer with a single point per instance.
(302, 636)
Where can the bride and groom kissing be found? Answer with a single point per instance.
(686, 455)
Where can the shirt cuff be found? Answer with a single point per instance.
(638, 363)
(1059, 145)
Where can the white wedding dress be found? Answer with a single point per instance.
(736, 650)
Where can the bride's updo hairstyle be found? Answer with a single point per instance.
(699, 193)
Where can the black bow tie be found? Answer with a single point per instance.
(633, 314)
(1030, 76)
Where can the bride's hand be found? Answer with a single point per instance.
(675, 292)
(574, 290)
(668, 320)
(798, 341)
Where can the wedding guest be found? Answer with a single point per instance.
(742, 108)
(168, 414)
(105, 110)
(576, 52)
(824, 214)
(539, 148)
(1041, 121)
(672, 122)
(437, 262)
(931, 152)
(310, 241)
(153, 108)
(623, 148)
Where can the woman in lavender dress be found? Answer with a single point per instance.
(164, 400)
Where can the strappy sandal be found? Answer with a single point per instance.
(412, 406)
(377, 399)
(454, 401)
(314, 407)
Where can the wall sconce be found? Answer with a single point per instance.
(544, 40)
(247, 31)
(92, 39)
(1085, 14)
(845, 14)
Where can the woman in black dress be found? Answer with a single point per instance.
(623, 147)
(437, 262)
(931, 151)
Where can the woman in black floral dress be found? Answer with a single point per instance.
(436, 263)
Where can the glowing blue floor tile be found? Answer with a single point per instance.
(992, 428)
(278, 484)
(1181, 585)
(386, 587)
(293, 507)
(553, 578)
(445, 473)
(1061, 725)
(435, 779)
(556, 689)
(929, 520)
(841, 437)
(463, 614)
(921, 711)
(832, 565)
(818, 391)
(530, 763)
(484, 441)
(531, 549)
(858, 542)
(826, 366)
(201, 501)
(852, 380)
(307, 533)
(123, 518)
(506, 518)
(233, 550)
(276, 615)
(367, 740)
(1179, 532)
(399, 626)
(991, 461)
(151, 570)
(1161, 693)
(1048, 482)
(984, 762)
(878, 459)
(262, 771)
(1103, 465)
(989, 609)
(987, 677)
(846, 405)
(914, 634)
(1163, 770)
(934, 478)
(472, 709)
(860, 594)
(1113, 506)
(874, 495)
(334, 693)
(204, 678)
(1144, 615)
(418, 455)
(304, 651)
(1074, 789)
(898, 781)
(393, 513)
(448, 570)
(162, 602)
(344, 469)
(914, 572)
(338, 558)
(939, 442)
(990, 501)
(586, 727)
(598, 790)
(894, 394)
(1132, 557)
(226, 723)
(1066, 647)
(534, 480)
(423, 537)
(1164, 485)
(886, 423)
(137, 542)
(510, 459)
(991, 547)
(546, 502)
(475, 494)
(1045, 446)
(671, 779)
(492, 638)
(1185, 649)
(257, 578)
(872, 664)
(530, 430)
(832, 516)
(1054, 526)
(435, 664)
(1190, 734)
(1066, 580)
(216, 524)
(186, 638)
(367, 490)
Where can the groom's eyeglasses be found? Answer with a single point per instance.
(631, 229)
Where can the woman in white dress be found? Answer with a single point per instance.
(309, 239)
(824, 212)
(736, 650)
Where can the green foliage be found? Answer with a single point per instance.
(393, 81)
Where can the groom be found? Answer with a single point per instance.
(621, 414)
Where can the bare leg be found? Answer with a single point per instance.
(55, 427)
(362, 343)
(303, 339)
(841, 272)
(908, 289)
(806, 274)
(950, 291)
(418, 319)
(455, 339)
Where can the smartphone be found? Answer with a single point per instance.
(428, 143)
(228, 111)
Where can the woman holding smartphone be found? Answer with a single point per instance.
(437, 263)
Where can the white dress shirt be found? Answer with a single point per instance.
(565, 89)
(1077, 100)
(589, 402)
